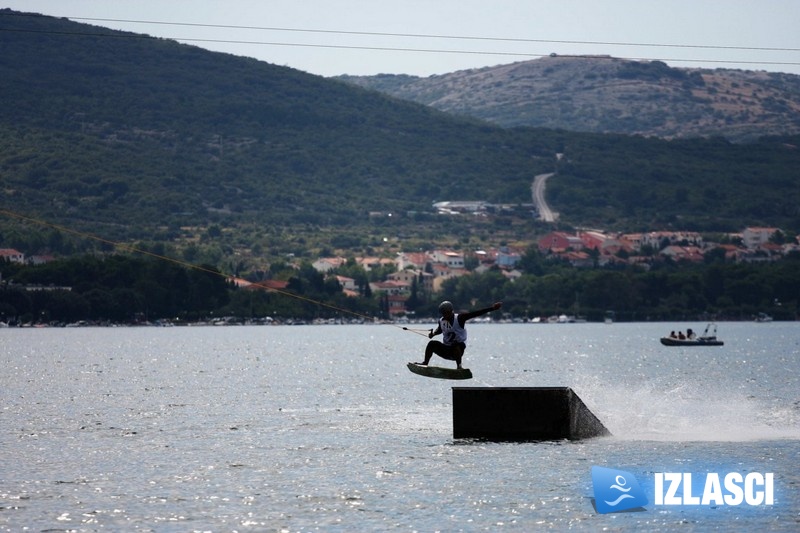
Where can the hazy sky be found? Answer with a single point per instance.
(330, 37)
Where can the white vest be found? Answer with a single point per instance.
(452, 334)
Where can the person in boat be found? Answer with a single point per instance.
(681, 336)
(454, 338)
(690, 334)
(672, 335)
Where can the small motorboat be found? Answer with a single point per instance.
(708, 338)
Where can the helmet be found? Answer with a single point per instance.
(445, 307)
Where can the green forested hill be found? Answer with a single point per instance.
(135, 138)
(119, 133)
(699, 185)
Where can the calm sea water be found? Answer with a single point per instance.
(305, 428)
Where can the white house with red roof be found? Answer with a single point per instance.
(424, 280)
(559, 241)
(656, 238)
(347, 284)
(756, 237)
(418, 260)
(453, 260)
(11, 255)
(683, 253)
(390, 287)
(326, 264)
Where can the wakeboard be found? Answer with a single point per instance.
(439, 372)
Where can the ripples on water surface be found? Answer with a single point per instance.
(323, 428)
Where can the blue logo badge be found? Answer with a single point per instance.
(616, 490)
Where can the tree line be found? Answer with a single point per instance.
(130, 289)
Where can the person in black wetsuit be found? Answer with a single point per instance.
(454, 339)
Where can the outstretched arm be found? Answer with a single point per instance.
(463, 317)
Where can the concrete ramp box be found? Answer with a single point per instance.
(522, 414)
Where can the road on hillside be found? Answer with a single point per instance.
(537, 191)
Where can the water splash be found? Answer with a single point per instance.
(689, 412)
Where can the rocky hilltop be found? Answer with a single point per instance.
(603, 94)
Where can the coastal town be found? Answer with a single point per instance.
(581, 249)
(426, 271)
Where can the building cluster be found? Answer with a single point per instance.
(596, 248)
(423, 272)
(14, 256)
(426, 271)
(480, 208)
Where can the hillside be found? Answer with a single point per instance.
(138, 139)
(608, 95)
(100, 126)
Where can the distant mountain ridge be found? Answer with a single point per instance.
(602, 94)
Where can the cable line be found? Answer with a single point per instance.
(433, 36)
(418, 50)
(399, 49)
